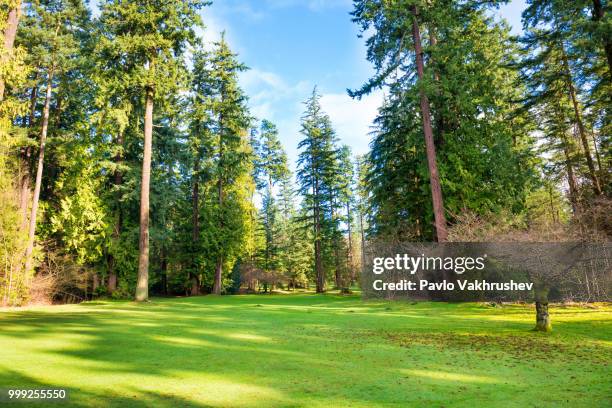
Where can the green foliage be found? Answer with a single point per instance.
(81, 221)
(325, 190)
(14, 282)
(483, 145)
(221, 190)
(148, 39)
(568, 68)
(270, 169)
(219, 164)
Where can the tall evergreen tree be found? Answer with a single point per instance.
(271, 169)
(346, 199)
(317, 170)
(230, 149)
(552, 99)
(54, 25)
(573, 36)
(150, 38)
(469, 117)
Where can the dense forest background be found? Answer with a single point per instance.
(130, 163)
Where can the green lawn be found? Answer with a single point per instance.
(308, 350)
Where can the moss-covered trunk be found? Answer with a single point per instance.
(542, 315)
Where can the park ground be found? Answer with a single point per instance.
(308, 350)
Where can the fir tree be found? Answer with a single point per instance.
(149, 37)
(317, 169)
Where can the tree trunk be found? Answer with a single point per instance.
(164, 273)
(218, 275)
(337, 263)
(567, 152)
(553, 212)
(112, 277)
(195, 285)
(219, 266)
(118, 180)
(349, 255)
(268, 231)
(317, 240)
(195, 281)
(319, 267)
(434, 177)
(571, 177)
(579, 122)
(24, 188)
(96, 283)
(362, 239)
(440, 124)
(597, 155)
(39, 172)
(542, 317)
(26, 153)
(338, 270)
(12, 22)
(142, 286)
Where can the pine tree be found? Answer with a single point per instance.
(55, 25)
(347, 201)
(464, 121)
(546, 75)
(200, 141)
(229, 146)
(149, 37)
(576, 34)
(362, 201)
(317, 170)
(271, 168)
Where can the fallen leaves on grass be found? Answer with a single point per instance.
(530, 346)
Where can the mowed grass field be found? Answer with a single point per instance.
(308, 350)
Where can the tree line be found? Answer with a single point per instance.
(131, 159)
(130, 163)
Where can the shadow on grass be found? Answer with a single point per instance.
(79, 398)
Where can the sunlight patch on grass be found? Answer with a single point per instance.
(248, 337)
(307, 350)
(447, 376)
(183, 341)
(214, 390)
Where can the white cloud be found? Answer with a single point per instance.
(244, 9)
(351, 118)
(267, 91)
(255, 78)
(215, 24)
(271, 97)
(314, 5)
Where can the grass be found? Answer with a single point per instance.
(308, 350)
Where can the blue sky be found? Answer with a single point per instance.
(293, 45)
